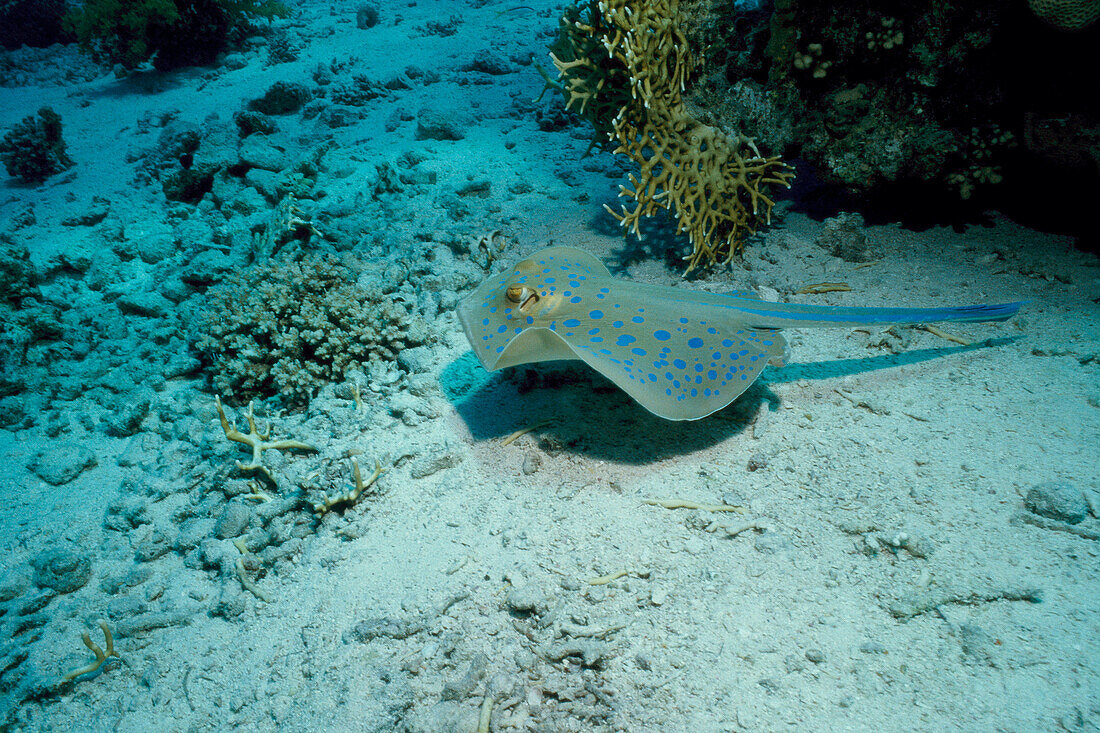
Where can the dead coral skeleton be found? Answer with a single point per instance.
(352, 495)
(688, 504)
(247, 583)
(819, 288)
(490, 245)
(256, 493)
(257, 441)
(101, 656)
(288, 223)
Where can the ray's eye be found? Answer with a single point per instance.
(521, 295)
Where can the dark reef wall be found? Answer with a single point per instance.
(981, 102)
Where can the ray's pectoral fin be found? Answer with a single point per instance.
(688, 385)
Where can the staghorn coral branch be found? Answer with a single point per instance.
(351, 496)
(100, 655)
(257, 441)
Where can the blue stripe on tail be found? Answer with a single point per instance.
(796, 315)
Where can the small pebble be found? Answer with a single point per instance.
(233, 521)
(793, 663)
(590, 653)
(915, 545)
(438, 459)
(768, 684)
(977, 645)
(461, 687)
(756, 462)
(771, 543)
(527, 598)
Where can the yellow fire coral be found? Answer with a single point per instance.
(715, 183)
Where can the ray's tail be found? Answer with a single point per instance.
(762, 314)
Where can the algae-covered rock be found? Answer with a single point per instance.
(61, 463)
(61, 569)
(1059, 500)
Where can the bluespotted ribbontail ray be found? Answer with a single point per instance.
(682, 354)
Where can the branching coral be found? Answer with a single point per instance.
(593, 82)
(101, 656)
(258, 442)
(33, 150)
(350, 496)
(287, 328)
(715, 183)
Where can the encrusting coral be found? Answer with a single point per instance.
(634, 58)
